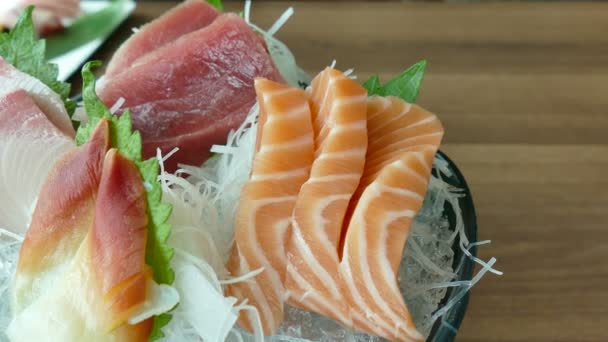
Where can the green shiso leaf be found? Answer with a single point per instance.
(405, 85)
(96, 25)
(217, 4)
(22, 48)
(128, 143)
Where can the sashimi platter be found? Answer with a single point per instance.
(206, 188)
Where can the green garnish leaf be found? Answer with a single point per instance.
(22, 48)
(87, 28)
(372, 85)
(128, 143)
(160, 321)
(405, 86)
(217, 4)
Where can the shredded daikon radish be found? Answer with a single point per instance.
(116, 106)
(203, 210)
(280, 22)
(10, 244)
(281, 55)
(247, 11)
(463, 291)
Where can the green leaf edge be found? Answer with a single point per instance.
(128, 143)
(22, 48)
(406, 85)
(217, 4)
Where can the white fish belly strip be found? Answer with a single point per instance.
(350, 153)
(299, 142)
(354, 126)
(279, 175)
(397, 191)
(385, 104)
(293, 113)
(400, 165)
(343, 101)
(333, 178)
(406, 110)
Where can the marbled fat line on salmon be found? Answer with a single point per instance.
(403, 140)
(339, 120)
(284, 154)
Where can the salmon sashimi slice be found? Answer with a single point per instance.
(184, 18)
(338, 106)
(285, 151)
(403, 140)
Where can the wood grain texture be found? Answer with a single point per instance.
(523, 92)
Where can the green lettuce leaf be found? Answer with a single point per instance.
(405, 85)
(128, 143)
(22, 48)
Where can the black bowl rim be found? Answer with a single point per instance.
(454, 317)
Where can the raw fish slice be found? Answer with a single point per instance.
(61, 8)
(29, 146)
(48, 15)
(63, 216)
(191, 93)
(186, 17)
(391, 192)
(49, 102)
(106, 280)
(118, 238)
(281, 165)
(338, 106)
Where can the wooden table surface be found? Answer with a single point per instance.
(523, 92)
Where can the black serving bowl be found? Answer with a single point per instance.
(446, 327)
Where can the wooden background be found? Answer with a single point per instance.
(523, 92)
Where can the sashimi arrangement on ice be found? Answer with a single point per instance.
(206, 189)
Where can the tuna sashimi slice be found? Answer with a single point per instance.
(29, 146)
(281, 165)
(403, 140)
(188, 16)
(338, 106)
(50, 102)
(82, 263)
(191, 93)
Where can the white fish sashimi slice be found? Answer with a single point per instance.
(29, 146)
(49, 102)
(26, 162)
